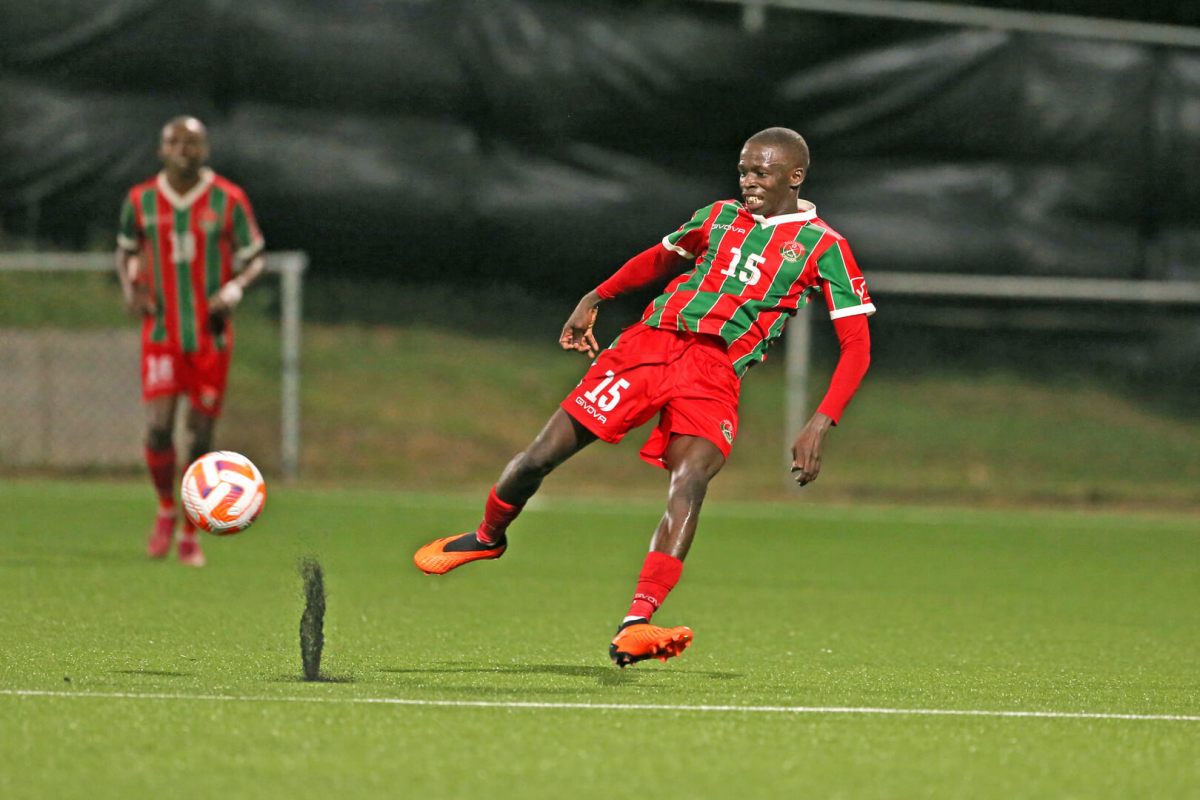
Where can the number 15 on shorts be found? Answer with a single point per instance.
(609, 399)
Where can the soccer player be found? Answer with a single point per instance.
(181, 234)
(738, 271)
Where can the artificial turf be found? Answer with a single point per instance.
(125, 678)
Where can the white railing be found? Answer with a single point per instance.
(798, 346)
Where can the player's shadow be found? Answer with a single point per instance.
(155, 673)
(609, 675)
(604, 675)
(320, 679)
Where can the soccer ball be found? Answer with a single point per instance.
(223, 492)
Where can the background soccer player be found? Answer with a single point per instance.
(181, 233)
(745, 267)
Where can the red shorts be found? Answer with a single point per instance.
(166, 371)
(647, 370)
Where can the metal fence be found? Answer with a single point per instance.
(69, 386)
(925, 287)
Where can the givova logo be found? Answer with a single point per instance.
(591, 410)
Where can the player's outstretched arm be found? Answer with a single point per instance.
(645, 268)
(855, 340)
(577, 332)
(650, 266)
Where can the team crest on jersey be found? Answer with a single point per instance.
(791, 251)
(209, 219)
(727, 430)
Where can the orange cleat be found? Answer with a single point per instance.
(159, 543)
(442, 555)
(190, 553)
(638, 640)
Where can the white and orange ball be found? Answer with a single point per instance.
(223, 492)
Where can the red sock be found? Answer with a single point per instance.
(660, 573)
(162, 474)
(497, 515)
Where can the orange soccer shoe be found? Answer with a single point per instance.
(442, 555)
(638, 640)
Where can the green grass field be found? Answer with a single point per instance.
(124, 678)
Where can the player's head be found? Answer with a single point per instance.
(183, 147)
(772, 166)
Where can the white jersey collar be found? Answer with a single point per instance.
(183, 202)
(807, 211)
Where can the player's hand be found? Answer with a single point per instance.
(225, 300)
(139, 302)
(218, 307)
(577, 332)
(135, 288)
(806, 450)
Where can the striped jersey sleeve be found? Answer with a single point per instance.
(129, 236)
(247, 238)
(691, 239)
(842, 282)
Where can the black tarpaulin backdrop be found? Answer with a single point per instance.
(543, 143)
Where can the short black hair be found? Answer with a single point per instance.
(787, 139)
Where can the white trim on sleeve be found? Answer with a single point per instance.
(251, 250)
(865, 308)
(125, 243)
(674, 248)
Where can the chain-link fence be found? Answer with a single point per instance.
(69, 398)
(70, 395)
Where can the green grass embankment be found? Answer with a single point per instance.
(427, 409)
(436, 400)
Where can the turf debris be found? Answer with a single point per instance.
(312, 621)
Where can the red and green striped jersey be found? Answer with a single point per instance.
(188, 245)
(752, 273)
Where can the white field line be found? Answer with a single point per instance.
(400, 701)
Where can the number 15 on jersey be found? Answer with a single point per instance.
(608, 401)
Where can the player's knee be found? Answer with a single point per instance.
(199, 447)
(534, 463)
(200, 442)
(200, 429)
(158, 438)
(690, 479)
